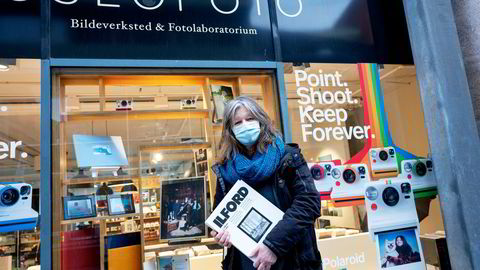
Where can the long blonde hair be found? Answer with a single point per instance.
(229, 145)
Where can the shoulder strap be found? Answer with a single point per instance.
(216, 170)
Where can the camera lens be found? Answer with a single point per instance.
(391, 152)
(406, 188)
(407, 167)
(383, 155)
(361, 170)
(328, 167)
(317, 172)
(349, 176)
(124, 103)
(390, 196)
(9, 196)
(429, 164)
(336, 173)
(189, 102)
(25, 190)
(420, 168)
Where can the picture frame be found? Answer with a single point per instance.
(120, 204)
(77, 207)
(406, 256)
(183, 209)
(201, 155)
(221, 94)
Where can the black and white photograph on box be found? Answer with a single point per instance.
(183, 210)
(221, 94)
(254, 224)
(398, 248)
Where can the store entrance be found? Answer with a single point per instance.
(131, 154)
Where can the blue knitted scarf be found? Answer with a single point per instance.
(257, 169)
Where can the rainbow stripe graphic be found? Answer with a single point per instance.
(375, 116)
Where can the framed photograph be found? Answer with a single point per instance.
(183, 209)
(178, 262)
(201, 155)
(399, 250)
(221, 95)
(75, 207)
(255, 225)
(120, 204)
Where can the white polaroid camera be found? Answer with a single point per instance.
(393, 224)
(124, 105)
(188, 103)
(383, 162)
(16, 211)
(419, 172)
(348, 186)
(322, 178)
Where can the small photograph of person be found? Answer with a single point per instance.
(399, 248)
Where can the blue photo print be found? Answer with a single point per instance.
(398, 247)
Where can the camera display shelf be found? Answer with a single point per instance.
(100, 218)
(94, 180)
(160, 246)
(175, 146)
(136, 115)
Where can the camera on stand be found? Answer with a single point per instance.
(419, 172)
(393, 224)
(383, 162)
(322, 178)
(124, 105)
(16, 211)
(349, 181)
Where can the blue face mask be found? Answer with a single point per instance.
(247, 133)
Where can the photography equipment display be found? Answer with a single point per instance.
(419, 173)
(383, 162)
(75, 207)
(348, 186)
(120, 204)
(99, 152)
(322, 176)
(183, 208)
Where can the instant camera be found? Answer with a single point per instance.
(419, 172)
(393, 224)
(16, 211)
(383, 162)
(322, 177)
(348, 186)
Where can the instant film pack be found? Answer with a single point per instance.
(383, 177)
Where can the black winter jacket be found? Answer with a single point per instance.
(293, 238)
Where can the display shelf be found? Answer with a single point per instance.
(8, 244)
(174, 146)
(136, 115)
(73, 221)
(94, 180)
(161, 245)
(30, 242)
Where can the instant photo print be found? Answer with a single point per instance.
(419, 173)
(383, 162)
(390, 206)
(75, 207)
(322, 178)
(399, 250)
(348, 186)
(16, 211)
(120, 204)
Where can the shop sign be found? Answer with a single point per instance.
(20, 29)
(162, 29)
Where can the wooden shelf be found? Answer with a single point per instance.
(73, 221)
(136, 115)
(30, 242)
(8, 244)
(158, 246)
(176, 146)
(90, 180)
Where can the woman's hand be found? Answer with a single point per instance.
(222, 238)
(264, 258)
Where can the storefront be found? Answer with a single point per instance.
(112, 115)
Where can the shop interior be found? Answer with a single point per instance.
(167, 123)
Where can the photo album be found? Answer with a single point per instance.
(246, 215)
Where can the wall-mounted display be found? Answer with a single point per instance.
(120, 204)
(83, 206)
(183, 210)
(221, 95)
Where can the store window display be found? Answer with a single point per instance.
(19, 163)
(141, 145)
(359, 123)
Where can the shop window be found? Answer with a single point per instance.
(19, 163)
(357, 124)
(132, 155)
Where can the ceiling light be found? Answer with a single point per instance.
(4, 67)
(158, 156)
(6, 63)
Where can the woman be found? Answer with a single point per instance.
(252, 150)
(405, 252)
